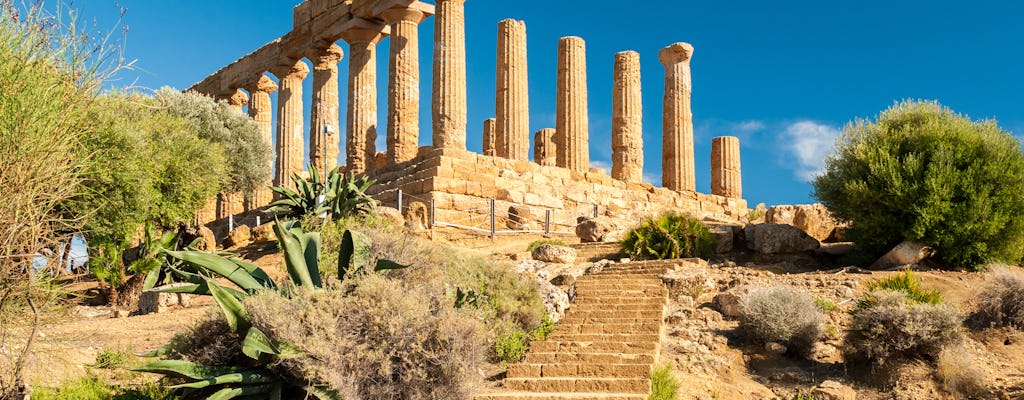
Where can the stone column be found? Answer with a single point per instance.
(361, 123)
(571, 119)
(289, 121)
(449, 97)
(261, 111)
(490, 141)
(238, 100)
(323, 125)
(677, 128)
(627, 119)
(403, 84)
(725, 167)
(544, 147)
(513, 100)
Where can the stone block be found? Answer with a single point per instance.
(151, 301)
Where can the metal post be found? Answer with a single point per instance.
(399, 200)
(547, 222)
(432, 214)
(492, 219)
(595, 210)
(231, 222)
(258, 220)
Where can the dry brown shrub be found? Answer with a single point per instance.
(782, 314)
(210, 341)
(959, 371)
(893, 327)
(1001, 302)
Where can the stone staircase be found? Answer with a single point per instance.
(606, 346)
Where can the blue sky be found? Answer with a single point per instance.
(783, 76)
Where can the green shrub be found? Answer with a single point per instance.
(919, 171)
(669, 236)
(905, 283)
(892, 326)
(782, 314)
(537, 243)
(511, 346)
(664, 386)
(92, 387)
(111, 359)
(1001, 301)
(826, 305)
(544, 329)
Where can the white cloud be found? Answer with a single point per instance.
(809, 142)
(748, 127)
(654, 179)
(605, 165)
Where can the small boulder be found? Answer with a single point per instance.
(778, 239)
(556, 301)
(519, 218)
(263, 233)
(832, 390)
(780, 215)
(692, 282)
(555, 254)
(209, 242)
(600, 229)
(908, 252)
(775, 348)
(728, 302)
(152, 301)
(392, 215)
(239, 237)
(417, 217)
(816, 220)
(724, 237)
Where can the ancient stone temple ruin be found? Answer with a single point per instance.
(445, 175)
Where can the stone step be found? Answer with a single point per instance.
(601, 285)
(576, 320)
(569, 370)
(585, 346)
(627, 273)
(606, 337)
(598, 385)
(619, 307)
(621, 292)
(583, 298)
(620, 277)
(637, 327)
(587, 314)
(571, 358)
(560, 396)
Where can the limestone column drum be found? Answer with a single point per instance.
(677, 126)
(261, 110)
(449, 81)
(490, 141)
(726, 178)
(627, 119)
(323, 131)
(571, 108)
(403, 84)
(289, 121)
(544, 147)
(512, 102)
(361, 121)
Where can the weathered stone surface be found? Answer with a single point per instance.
(677, 127)
(555, 254)
(832, 390)
(151, 301)
(728, 302)
(239, 237)
(572, 126)
(289, 122)
(778, 239)
(209, 242)
(726, 178)
(490, 146)
(906, 253)
(263, 233)
(238, 100)
(627, 119)
(724, 235)
(417, 217)
(600, 229)
(361, 123)
(784, 214)
(261, 110)
(391, 215)
(403, 84)
(545, 150)
(816, 220)
(520, 218)
(449, 99)
(324, 126)
(690, 281)
(512, 105)
(556, 300)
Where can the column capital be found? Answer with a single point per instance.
(400, 14)
(290, 68)
(326, 56)
(363, 35)
(675, 53)
(451, 1)
(238, 99)
(263, 84)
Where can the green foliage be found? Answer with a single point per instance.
(111, 359)
(893, 326)
(246, 151)
(664, 386)
(544, 329)
(782, 314)
(537, 243)
(669, 236)
(905, 283)
(826, 305)
(92, 387)
(336, 195)
(922, 172)
(511, 346)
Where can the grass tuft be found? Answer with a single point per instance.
(664, 386)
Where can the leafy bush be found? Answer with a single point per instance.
(826, 305)
(893, 326)
(1001, 301)
(511, 346)
(537, 243)
(92, 387)
(669, 236)
(664, 386)
(922, 172)
(782, 314)
(110, 359)
(905, 283)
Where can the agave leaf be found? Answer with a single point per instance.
(387, 265)
(257, 343)
(322, 393)
(355, 249)
(234, 312)
(250, 390)
(294, 257)
(157, 352)
(246, 377)
(151, 278)
(185, 369)
(311, 243)
(256, 272)
(220, 266)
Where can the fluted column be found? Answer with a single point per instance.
(237, 100)
(544, 147)
(361, 123)
(289, 121)
(261, 111)
(490, 141)
(725, 167)
(403, 84)
(677, 126)
(627, 119)
(571, 119)
(449, 97)
(323, 125)
(512, 103)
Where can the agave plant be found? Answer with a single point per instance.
(669, 236)
(256, 378)
(336, 196)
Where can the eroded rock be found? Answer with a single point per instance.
(555, 254)
(778, 239)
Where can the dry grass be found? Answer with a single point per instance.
(1001, 301)
(895, 327)
(959, 371)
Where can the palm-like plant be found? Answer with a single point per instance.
(669, 236)
(337, 196)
